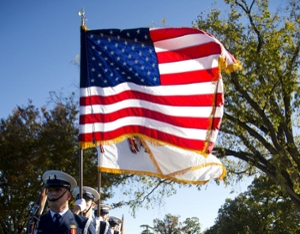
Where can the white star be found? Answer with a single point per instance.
(128, 35)
(98, 41)
(93, 69)
(93, 58)
(138, 31)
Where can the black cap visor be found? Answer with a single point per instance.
(86, 196)
(57, 183)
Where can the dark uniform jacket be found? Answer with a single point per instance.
(70, 220)
(104, 226)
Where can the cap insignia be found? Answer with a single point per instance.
(52, 177)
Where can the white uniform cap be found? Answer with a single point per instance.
(88, 193)
(54, 178)
(104, 209)
(114, 220)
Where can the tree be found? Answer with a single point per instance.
(171, 225)
(191, 226)
(261, 121)
(33, 141)
(146, 229)
(261, 209)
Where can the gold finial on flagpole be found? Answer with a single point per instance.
(82, 15)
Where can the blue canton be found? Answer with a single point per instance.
(116, 56)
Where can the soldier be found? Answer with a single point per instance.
(114, 223)
(59, 219)
(86, 205)
(104, 212)
(104, 216)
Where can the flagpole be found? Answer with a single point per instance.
(83, 19)
(80, 172)
(99, 181)
(82, 15)
(122, 225)
(99, 201)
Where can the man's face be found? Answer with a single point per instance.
(56, 192)
(105, 217)
(89, 207)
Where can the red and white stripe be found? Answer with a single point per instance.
(185, 111)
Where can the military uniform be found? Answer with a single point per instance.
(114, 223)
(59, 184)
(69, 223)
(102, 227)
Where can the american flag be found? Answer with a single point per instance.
(163, 85)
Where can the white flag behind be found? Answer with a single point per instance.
(165, 162)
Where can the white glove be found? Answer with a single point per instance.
(81, 203)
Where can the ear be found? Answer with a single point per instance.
(69, 196)
(93, 205)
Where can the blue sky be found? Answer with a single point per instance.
(39, 39)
